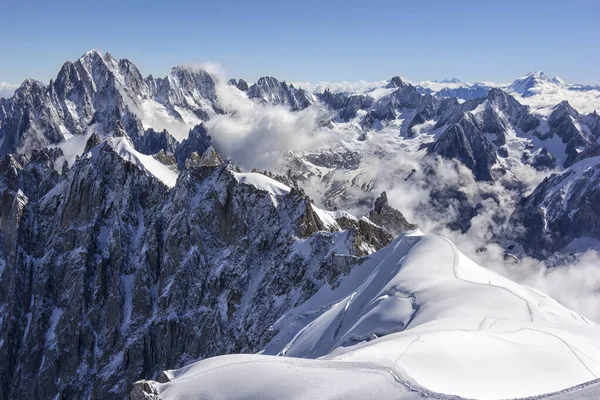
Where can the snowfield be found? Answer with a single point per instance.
(151, 166)
(417, 318)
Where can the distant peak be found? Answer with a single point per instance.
(29, 83)
(95, 56)
(527, 85)
(452, 80)
(537, 75)
(564, 108)
(564, 104)
(91, 53)
(395, 82)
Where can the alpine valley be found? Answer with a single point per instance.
(191, 236)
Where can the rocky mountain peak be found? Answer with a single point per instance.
(269, 90)
(198, 141)
(388, 217)
(239, 83)
(564, 108)
(532, 82)
(93, 141)
(395, 82)
(452, 80)
(119, 130)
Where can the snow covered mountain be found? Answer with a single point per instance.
(131, 243)
(118, 267)
(96, 91)
(534, 83)
(561, 213)
(416, 319)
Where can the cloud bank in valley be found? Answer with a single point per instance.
(258, 136)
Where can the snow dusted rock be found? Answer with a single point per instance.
(186, 89)
(465, 141)
(416, 319)
(470, 92)
(345, 106)
(564, 123)
(121, 269)
(198, 141)
(395, 82)
(530, 84)
(153, 142)
(406, 96)
(561, 213)
(388, 217)
(99, 90)
(270, 90)
(500, 105)
(239, 83)
(544, 160)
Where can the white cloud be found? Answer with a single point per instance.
(341, 87)
(256, 135)
(7, 89)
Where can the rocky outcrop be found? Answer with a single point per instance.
(198, 141)
(388, 217)
(565, 122)
(343, 105)
(239, 83)
(186, 88)
(110, 276)
(561, 211)
(544, 160)
(96, 92)
(152, 142)
(270, 90)
(406, 96)
(465, 142)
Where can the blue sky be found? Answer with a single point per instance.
(310, 40)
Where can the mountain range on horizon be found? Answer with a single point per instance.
(7, 89)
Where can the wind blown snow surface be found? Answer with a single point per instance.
(417, 318)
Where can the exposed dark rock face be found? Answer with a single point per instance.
(425, 110)
(464, 141)
(345, 106)
(406, 96)
(239, 83)
(109, 276)
(153, 142)
(565, 122)
(96, 92)
(93, 141)
(270, 90)
(514, 112)
(186, 88)
(388, 217)
(395, 82)
(544, 160)
(592, 151)
(198, 142)
(563, 208)
(467, 93)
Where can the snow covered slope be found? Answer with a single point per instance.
(417, 314)
(539, 91)
(561, 214)
(124, 148)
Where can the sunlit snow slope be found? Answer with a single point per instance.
(417, 314)
(124, 148)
